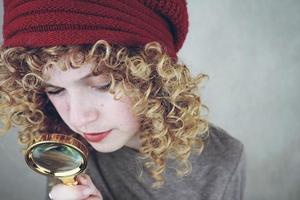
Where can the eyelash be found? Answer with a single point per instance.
(102, 88)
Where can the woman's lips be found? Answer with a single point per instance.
(96, 137)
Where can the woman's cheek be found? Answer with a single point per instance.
(59, 104)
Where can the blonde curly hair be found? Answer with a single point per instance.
(163, 92)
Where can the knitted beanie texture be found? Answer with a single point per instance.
(131, 23)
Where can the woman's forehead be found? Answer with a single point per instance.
(56, 74)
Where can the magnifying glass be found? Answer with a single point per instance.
(57, 155)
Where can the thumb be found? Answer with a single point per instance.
(84, 179)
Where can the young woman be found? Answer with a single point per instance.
(107, 71)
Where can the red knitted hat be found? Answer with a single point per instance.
(131, 23)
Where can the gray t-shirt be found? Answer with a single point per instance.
(217, 174)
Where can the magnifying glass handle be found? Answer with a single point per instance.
(69, 180)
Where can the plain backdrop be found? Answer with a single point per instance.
(251, 52)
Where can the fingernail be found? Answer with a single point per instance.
(50, 196)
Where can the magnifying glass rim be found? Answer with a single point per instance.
(55, 139)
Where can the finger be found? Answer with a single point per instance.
(64, 192)
(85, 179)
(94, 198)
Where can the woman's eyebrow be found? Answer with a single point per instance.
(82, 78)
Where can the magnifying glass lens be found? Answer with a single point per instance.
(57, 158)
(57, 155)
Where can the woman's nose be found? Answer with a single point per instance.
(81, 115)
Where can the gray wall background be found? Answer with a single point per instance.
(251, 51)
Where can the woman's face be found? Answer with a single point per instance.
(86, 106)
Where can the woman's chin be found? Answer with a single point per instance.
(106, 148)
